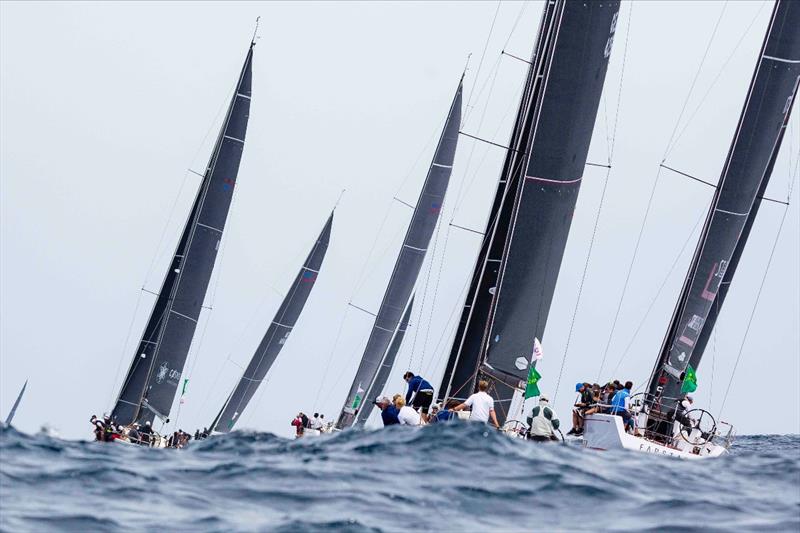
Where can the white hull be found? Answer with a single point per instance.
(607, 432)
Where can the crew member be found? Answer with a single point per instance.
(543, 422)
(482, 405)
(388, 411)
(422, 392)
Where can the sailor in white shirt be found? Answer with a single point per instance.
(482, 405)
(406, 415)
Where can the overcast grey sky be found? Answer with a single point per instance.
(103, 107)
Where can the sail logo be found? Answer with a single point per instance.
(227, 184)
(309, 276)
(521, 363)
(714, 280)
(283, 339)
(174, 376)
(612, 31)
(435, 208)
(162, 373)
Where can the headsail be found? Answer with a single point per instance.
(518, 266)
(744, 179)
(409, 261)
(16, 404)
(386, 366)
(155, 372)
(276, 335)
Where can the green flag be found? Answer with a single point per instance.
(357, 399)
(532, 388)
(689, 381)
(185, 382)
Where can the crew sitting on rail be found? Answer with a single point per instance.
(422, 392)
(388, 411)
(99, 428)
(620, 403)
(443, 415)
(602, 399)
(582, 402)
(405, 414)
(543, 422)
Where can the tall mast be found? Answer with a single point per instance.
(745, 175)
(155, 371)
(276, 336)
(408, 264)
(516, 277)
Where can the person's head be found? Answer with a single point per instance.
(434, 408)
(690, 398)
(321, 417)
(543, 400)
(610, 387)
(316, 415)
(483, 385)
(395, 397)
(408, 375)
(382, 402)
(147, 423)
(400, 402)
(579, 387)
(452, 403)
(629, 385)
(616, 382)
(618, 385)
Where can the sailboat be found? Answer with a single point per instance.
(515, 274)
(156, 368)
(406, 269)
(13, 411)
(276, 336)
(663, 428)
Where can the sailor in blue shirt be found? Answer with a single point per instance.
(619, 404)
(388, 411)
(422, 392)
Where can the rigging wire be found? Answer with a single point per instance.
(483, 55)
(694, 81)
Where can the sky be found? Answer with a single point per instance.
(104, 108)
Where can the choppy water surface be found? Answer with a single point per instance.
(455, 477)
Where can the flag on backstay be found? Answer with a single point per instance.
(537, 350)
(532, 387)
(358, 398)
(689, 381)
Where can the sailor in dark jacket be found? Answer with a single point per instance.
(388, 411)
(422, 391)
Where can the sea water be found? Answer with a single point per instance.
(447, 477)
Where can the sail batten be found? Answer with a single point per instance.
(745, 176)
(276, 335)
(408, 264)
(152, 380)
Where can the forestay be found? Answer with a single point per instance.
(276, 336)
(744, 179)
(155, 372)
(409, 262)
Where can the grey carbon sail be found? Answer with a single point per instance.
(155, 372)
(520, 268)
(386, 366)
(459, 378)
(744, 179)
(13, 411)
(409, 262)
(276, 336)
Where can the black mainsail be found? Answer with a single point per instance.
(155, 372)
(744, 180)
(408, 264)
(385, 369)
(276, 336)
(13, 411)
(517, 269)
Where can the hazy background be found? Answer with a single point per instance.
(105, 105)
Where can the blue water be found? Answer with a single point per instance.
(451, 477)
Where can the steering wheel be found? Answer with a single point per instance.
(701, 429)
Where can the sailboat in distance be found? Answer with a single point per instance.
(407, 267)
(155, 371)
(517, 268)
(664, 425)
(276, 336)
(13, 411)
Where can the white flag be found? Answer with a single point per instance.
(537, 350)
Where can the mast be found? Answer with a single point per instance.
(13, 411)
(745, 175)
(155, 371)
(276, 336)
(516, 277)
(409, 262)
(386, 366)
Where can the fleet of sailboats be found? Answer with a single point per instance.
(517, 267)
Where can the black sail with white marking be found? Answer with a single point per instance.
(744, 179)
(276, 335)
(409, 263)
(520, 268)
(155, 372)
(386, 366)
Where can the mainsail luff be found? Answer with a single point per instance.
(409, 261)
(276, 335)
(744, 179)
(462, 365)
(152, 380)
(376, 389)
(13, 411)
(528, 246)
